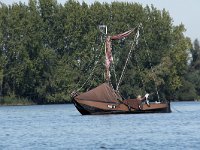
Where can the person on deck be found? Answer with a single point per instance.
(146, 99)
(142, 99)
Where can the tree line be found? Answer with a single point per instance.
(47, 50)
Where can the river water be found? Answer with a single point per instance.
(50, 127)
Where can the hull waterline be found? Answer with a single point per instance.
(98, 108)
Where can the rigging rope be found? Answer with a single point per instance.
(129, 55)
(137, 63)
(148, 53)
(90, 75)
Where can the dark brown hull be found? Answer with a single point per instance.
(89, 107)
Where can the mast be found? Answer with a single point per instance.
(108, 57)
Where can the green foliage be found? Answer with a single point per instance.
(186, 92)
(196, 55)
(191, 82)
(47, 50)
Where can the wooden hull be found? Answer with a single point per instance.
(88, 107)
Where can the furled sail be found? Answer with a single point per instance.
(108, 50)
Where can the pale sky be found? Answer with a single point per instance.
(182, 11)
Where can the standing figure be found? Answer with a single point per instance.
(140, 100)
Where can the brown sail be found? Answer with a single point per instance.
(102, 93)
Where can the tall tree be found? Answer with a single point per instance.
(196, 54)
(48, 49)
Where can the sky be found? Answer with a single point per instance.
(186, 12)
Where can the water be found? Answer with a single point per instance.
(50, 127)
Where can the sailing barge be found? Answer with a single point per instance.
(104, 99)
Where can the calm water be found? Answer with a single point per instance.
(60, 127)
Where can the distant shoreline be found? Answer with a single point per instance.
(29, 103)
(10, 101)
